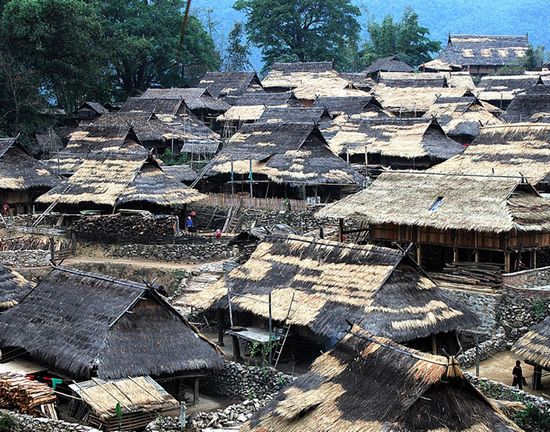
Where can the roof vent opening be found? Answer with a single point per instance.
(437, 203)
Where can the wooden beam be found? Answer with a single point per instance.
(341, 229)
(196, 385)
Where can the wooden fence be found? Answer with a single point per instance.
(270, 204)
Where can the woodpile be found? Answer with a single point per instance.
(20, 394)
(470, 275)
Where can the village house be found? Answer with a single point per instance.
(370, 383)
(226, 84)
(89, 111)
(22, 178)
(387, 64)
(13, 288)
(500, 90)
(366, 105)
(359, 80)
(534, 349)
(484, 54)
(284, 77)
(528, 104)
(311, 288)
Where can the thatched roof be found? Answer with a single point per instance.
(395, 138)
(293, 115)
(20, 171)
(438, 65)
(182, 173)
(533, 100)
(388, 64)
(535, 345)
(194, 98)
(447, 202)
(461, 116)
(86, 324)
(293, 153)
(501, 89)
(484, 50)
(292, 75)
(412, 99)
(371, 384)
(412, 79)
(375, 287)
(331, 85)
(95, 107)
(359, 80)
(460, 80)
(350, 105)
(141, 394)
(506, 150)
(13, 287)
(118, 182)
(223, 84)
(250, 106)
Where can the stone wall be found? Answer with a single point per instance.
(528, 278)
(26, 423)
(487, 349)
(25, 258)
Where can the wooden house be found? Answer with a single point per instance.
(528, 103)
(359, 80)
(452, 217)
(387, 64)
(89, 111)
(13, 288)
(500, 90)
(364, 104)
(22, 177)
(394, 142)
(85, 325)
(282, 160)
(224, 84)
(317, 286)
(284, 77)
(484, 54)
(371, 384)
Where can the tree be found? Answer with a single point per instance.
(406, 39)
(302, 30)
(238, 52)
(144, 41)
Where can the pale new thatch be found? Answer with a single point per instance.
(394, 138)
(535, 345)
(86, 325)
(438, 65)
(19, 171)
(507, 150)
(412, 79)
(375, 287)
(371, 384)
(388, 64)
(116, 182)
(461, 117)
(134, 395)
(533, 100)
(330, 85)
(13, 288)
(286, 76)
(460, 80)
(484, 50)
(223, 84)
(294, 153)
(250, 106)
(446, 202)
(195, 98)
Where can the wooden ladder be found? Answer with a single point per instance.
(202, 173)
(50, 208)
(284, 332)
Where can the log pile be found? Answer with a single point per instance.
(20, 394)
(470, 275)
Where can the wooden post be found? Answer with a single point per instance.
(419, 254)
(270, 326)
(220, 328)
(341, 229)
(507, 262)
(476, 255)
(434, 344)
(537, 378)
(455, 254)
(236, 349)
(534, 258)
(250, 177)
(196, 383)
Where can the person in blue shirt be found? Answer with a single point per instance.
(189, 224)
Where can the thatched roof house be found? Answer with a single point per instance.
(438, 65)
(112, 182)
(534, 100)
(331, 282)
(250, 106)
(198, 100)
(288, 76)
(484, 54)
(462, 117)
(13, 288)
(359, 80)
(395, 142)
(371, 384)
(286, 154)
(534, 346)
(89, 110)
(500, 90)
(182, 173)
(460, 80)
(364, 104)
(312, 115)
(223, 84)
(22, 177)
(388, 64)
(87, 325)
(453, 211)
(412, 79)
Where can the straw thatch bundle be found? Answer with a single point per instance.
(534, 100)
(395, 138)
(412, 79)
(195, 99)
(13, 287)
(91, 325)
(371, 384)
(19, 171)
(286, 153)
(472, 203)
(388, 64)
(291, 75)
(535, 345)
(224, 84)
(373, 286)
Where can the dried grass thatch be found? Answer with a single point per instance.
(534, 346)
(88, 325)
(412, 79)
(501, 89)
(470, 203)
(330, 282)
(224, 84)
(250, 106)
(313, 115)
(286, 76)
(371, 384)
(388, 64)
(195, 99)
(13, 288)
(534, 100)
(352, 105)
(359, 80)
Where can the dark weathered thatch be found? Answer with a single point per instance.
(533, 100)
(484, 50)
(293, 115)
(13, 287)
(182, 173)
(501, 89)
(160, 106)
(87, 325)
(89, 110)
(388, 64)
(394, 139)
(350, 105)
(224, 84)
(371, 384)
(293, 153)
(446, 202)
(373, 286)
(535, 345)
(359, 80)
(412, 79)
(195, 98)
(19, 171)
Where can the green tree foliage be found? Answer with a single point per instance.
(303, 30)
(238, 51)
(406, 38)
(533, 61)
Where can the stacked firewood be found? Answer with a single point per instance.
(471, 274)
(20, 394)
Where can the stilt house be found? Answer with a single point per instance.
(227, 84)
(534, 100)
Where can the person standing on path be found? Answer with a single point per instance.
(517, 374)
